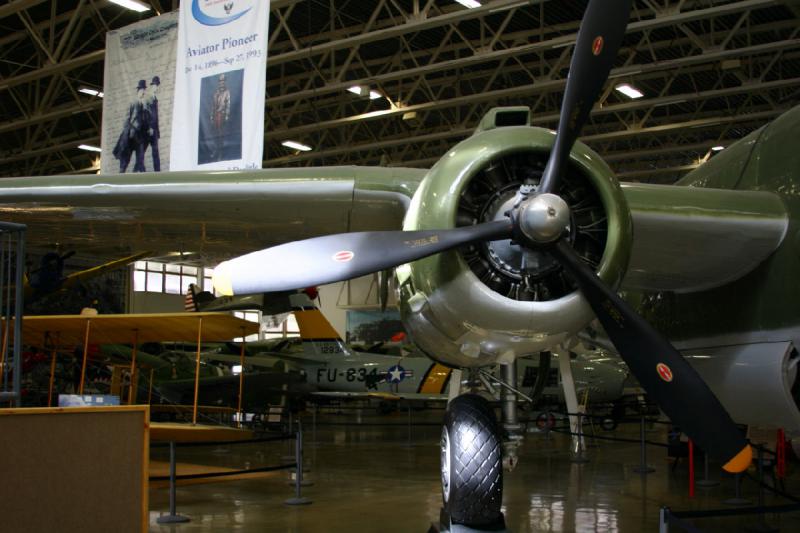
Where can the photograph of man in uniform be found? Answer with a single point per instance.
(220, 117)
(132, 139)
(151, 119)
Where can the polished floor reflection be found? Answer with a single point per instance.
(383, 477)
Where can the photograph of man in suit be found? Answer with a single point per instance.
(132, 138)
(151, 119)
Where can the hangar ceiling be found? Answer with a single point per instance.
(711, 71)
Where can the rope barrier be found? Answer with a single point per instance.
(623, 420)
(287, 436)
(223, 474)
(772, 489)
(615, 439)
(377, 424)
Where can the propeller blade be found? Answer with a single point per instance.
(599, 39)
(331, 258)
(661, 370)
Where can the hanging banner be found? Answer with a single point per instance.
(218, 118)
(138, 87)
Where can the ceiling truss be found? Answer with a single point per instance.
(712, 71)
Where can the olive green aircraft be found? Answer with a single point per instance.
(514, 242)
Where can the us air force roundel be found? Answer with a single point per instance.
(396, 374)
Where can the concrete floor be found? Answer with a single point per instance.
(374, 478)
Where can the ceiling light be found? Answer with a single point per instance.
(296, 146)
(717, 148)
(133, 5)
(355, 89)
(373, 95)
(89, 147)
(469, 3)
(90, 92)
(629, 90)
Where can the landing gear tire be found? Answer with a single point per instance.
(608, 423)
(472, 463)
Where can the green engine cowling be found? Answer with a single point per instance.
(492, 302)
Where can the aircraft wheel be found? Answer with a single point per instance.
(608, 423)
(472, 469)
(545, 421)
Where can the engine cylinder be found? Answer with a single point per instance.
(492, 302)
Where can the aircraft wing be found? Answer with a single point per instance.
(689, 239)
(212, 213)
(684, 238)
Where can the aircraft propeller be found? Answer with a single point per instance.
(540, 219)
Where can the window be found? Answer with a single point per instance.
(250, 316)
(287, 328)
(150, 276)
(208, 273)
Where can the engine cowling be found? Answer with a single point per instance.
(492, 302)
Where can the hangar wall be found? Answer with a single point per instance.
(154, 302)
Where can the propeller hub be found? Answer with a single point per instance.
(544, 218)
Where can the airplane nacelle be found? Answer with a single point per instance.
(493, 302)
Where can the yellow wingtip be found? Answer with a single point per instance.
(740, 461)
(221, 280)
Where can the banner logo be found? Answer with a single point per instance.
(664, 372)
(343, 257)
(597, 45)
(220, 6)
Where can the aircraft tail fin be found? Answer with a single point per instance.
(195, 299)
(320, 339)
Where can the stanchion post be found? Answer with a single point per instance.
(691, 468)
(761, 525)
(760, 456)
(52, 377)
(737, 498)
(780, 454)
(85, 355)
(314, 423)
(173, 517)
(298, 478)
(663, 520)
(150, 387)
(241, 377)
(706, 481)
(593, 444)
(197, 369)
(643, 468)
(409, 423)
(134, 389)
